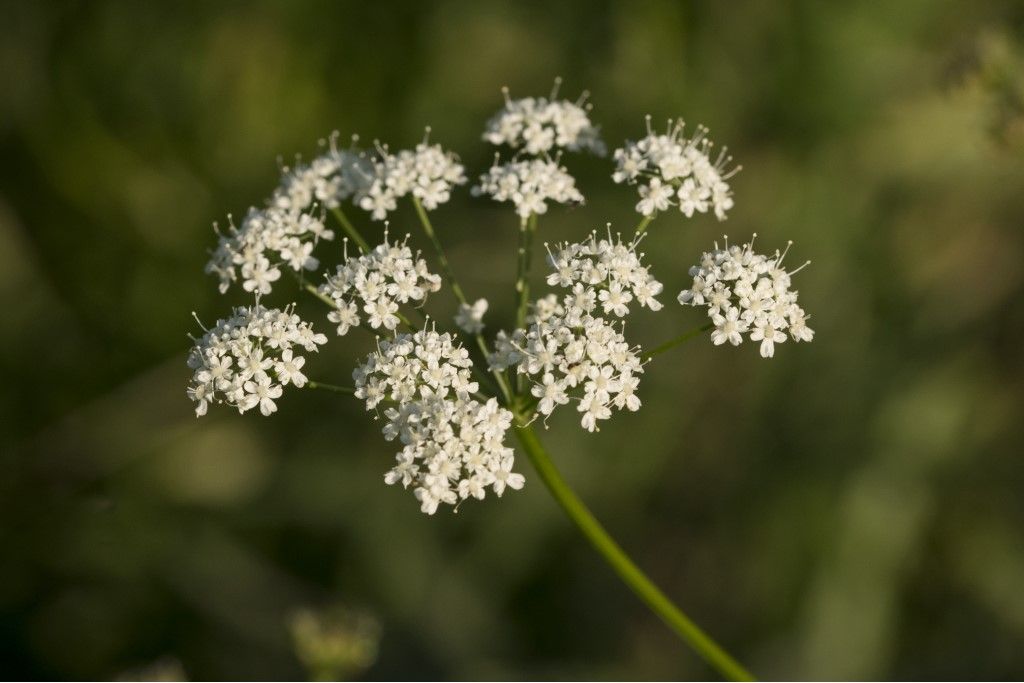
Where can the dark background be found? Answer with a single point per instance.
(850, 509)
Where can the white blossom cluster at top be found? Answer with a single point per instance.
(747, 293)
(246, 360)
(452, 444)
(535, 128)
(674, 170)
(536, 125)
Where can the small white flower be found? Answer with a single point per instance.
(550, 393)
(654, 197)
(289, 369)
(767, 335)
(504, 476)
(262, 392)
(259, 275)
(728, 327)
(747, 293)
(471, 318)
(692, 197)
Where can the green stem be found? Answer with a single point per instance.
(449, 275)
(350, 229)
(312, 289)
(527, 229)
(643, 224)
(672, 343)
(524, 257)
(330, 387)
(620, 562)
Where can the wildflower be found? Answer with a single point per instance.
(266, 241)
(327, 180)
(453, 444)
(613, 268)
(529, 185)
(536, 125)
(569, 352)
(375, 283)
(428, 173)
(471, 318)
(246, 360)
(672, 169)
(747, 293)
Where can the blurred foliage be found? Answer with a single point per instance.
(849, 509)
(336, 644)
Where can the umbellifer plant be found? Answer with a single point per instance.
(449, 399)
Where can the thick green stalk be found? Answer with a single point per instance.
(643, 224)
(350, 229)
(620, 562)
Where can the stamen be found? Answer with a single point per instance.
(793, 272)
(554, 89)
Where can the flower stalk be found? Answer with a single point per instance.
(449, 275)
(676, 341)
(350, 229)
(710, 651)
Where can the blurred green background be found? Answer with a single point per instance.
(850, 509)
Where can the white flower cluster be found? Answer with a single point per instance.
(453, 444)
(568, 350)
(529, 185)
(427, 173)
(673, 170)
(747, 293)
(614, 268)
(329, 179)
(536, 125)
(265, 241)
(376, 283)
(247, 359)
